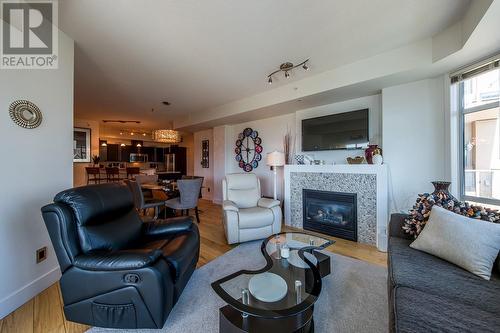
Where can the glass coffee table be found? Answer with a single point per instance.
(280, 296)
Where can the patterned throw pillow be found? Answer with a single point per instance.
(420, 212)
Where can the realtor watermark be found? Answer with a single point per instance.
(29, 34)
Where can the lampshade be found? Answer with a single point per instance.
(276, 158)
(166, 136)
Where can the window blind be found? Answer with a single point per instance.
(476, 69)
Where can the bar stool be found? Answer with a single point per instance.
(93, 175)
(132, 171)
(112, 174)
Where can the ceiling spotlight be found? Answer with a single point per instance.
(287, 67)
(121, 133)
(143, 134)
(138, 145)
(131, 133)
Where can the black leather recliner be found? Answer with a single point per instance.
(117, 271)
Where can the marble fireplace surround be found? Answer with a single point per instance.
(369, 182)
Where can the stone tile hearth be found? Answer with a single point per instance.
(368, 182)
(364, 185)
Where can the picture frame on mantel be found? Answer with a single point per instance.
(81, 145)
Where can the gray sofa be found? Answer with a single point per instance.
(428, 294)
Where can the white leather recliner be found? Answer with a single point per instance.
(248, 216)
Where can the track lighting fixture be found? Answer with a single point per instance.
(287, 67)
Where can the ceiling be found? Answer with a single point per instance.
(132, 55)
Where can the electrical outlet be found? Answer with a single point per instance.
(41, 254)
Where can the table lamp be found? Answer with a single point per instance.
(275, 159)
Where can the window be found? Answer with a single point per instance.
(480, 137)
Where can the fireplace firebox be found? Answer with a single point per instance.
(332, 213)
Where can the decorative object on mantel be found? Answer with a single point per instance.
(441, 197)
(288, 146)
(205, 153)
(166, 136)
(371, 151)
(96, 159)
(275, 159)
(248, 149)
(299, 159)
(287, 67)
(25, 114)
(355, 160)
(81, 145)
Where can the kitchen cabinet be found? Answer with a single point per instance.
(125, 153)
(159, 154)
(150, 151)
(112, 153)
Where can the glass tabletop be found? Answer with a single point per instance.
(289, 283)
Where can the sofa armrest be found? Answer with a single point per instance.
(165, 228)
(396, 226)
(268, 203)
(115, 261)
(229, 205)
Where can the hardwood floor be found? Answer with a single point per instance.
(44, 314)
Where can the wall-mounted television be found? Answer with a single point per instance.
(348, 130)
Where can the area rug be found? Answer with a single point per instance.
(353, 298)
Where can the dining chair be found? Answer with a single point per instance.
(195, 177)
(112, 174)
(132, 172)
(93, 175)
(141, 204)
(189, 190)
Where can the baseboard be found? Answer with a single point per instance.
(22, 295)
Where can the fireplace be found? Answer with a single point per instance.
(332, 213)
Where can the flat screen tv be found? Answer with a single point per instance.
(348, 130)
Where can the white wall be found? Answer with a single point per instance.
(373, 103)
(271, 131)
(222, 154)
(414, 139)
(41, 165)
(207, 173)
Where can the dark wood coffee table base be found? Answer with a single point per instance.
(231, 321)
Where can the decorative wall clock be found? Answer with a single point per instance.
(248, 149)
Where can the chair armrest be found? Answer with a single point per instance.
(229, 205)
(116, 261)
(168, 227)
(268, 203)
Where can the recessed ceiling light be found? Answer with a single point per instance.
(165, 103)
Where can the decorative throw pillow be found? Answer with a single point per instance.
(469, 243)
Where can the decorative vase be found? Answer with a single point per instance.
(371, 151)
(441, 190)
(378, 159)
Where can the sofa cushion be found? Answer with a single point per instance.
(255, 217)
(418, 311)
(416, 269)
(469, 243)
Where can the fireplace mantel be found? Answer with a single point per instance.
(318, 177)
